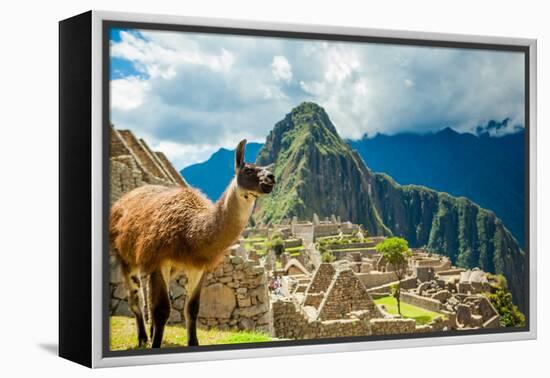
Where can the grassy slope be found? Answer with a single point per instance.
(123, 335)
(421, 315)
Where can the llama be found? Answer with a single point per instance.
(160, 231)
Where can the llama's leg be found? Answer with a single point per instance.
(133, 284)
(160, 304)
(195, 279)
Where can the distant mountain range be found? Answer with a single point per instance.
(488, 170)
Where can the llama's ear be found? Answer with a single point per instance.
(239, 155)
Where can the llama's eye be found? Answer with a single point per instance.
(249, 172)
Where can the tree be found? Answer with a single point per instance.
(276, 244)
(510, 315)
(396, 251)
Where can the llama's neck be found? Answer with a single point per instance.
(230, 216)
(235, 206)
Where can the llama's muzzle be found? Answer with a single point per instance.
(267, 181)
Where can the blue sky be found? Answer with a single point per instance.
(188, 94)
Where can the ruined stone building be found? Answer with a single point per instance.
(133, 164)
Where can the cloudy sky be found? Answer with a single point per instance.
(189, 94)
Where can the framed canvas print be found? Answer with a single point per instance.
(233, 189)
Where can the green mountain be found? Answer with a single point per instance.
(318, 172)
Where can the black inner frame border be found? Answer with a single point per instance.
(107, 25)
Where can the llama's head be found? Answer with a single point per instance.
(250, 177)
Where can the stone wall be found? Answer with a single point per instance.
(419, 301)
(335, 247)
(292, 243)
(345, 295)
(321, 279)
(146, 159)
(321, 230)
(174, 174)
(427, 262)
(360, 253)
(133, 164)
(314, 299)
(290, 323)
(298, 229)
(406, 284)
(234, 296)
(375, 279)
(125, 175)
(392, 326)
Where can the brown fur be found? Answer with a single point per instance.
(152, 225)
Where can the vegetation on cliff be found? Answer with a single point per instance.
(501, 298)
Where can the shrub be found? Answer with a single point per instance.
(276, 244)
(510, 315)
(327, 257)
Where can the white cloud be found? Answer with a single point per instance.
(128, 93)
(194, 93)
(157, 53)
(340, 62)
(182, 155)
(281, 68)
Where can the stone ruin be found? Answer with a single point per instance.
(432, 283)
(335, 303)
(293, 267)
(234, 296)
(134, 164)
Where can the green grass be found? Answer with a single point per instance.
(295, 249)
(123, 335)
(255, 240)
(419, 314)
(353, 249)
(249, 244)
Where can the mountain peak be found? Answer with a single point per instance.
(307, 107)
(306, 126)
(310, 113)
(447, 131)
